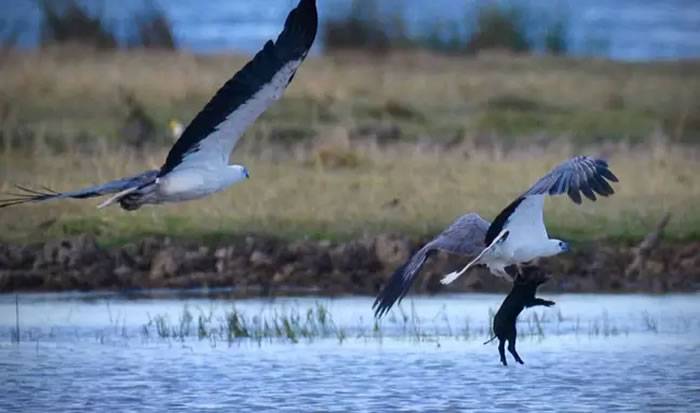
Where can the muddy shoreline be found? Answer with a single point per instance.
(255, 266)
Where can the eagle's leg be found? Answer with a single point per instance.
(521, 269)
(502, 271)
(513, 271)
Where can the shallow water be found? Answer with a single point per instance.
(590, 352)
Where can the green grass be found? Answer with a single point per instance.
(69, 92)
(586, 127)
(291, 325)
(295, 199)
(294, 325)
(442, 135)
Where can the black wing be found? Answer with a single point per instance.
(213, 133)
(501, 221)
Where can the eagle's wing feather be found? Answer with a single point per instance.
(463, 237)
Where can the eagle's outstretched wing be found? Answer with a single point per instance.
(27, 195)
(580, 174)
(214, 132)
(463, 237)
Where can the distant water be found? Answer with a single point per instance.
(608, 353)
(620, 29)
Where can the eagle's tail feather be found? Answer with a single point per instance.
(116, 197)
(451, 277)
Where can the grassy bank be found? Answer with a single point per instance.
(70, 92)
(414, 193)
(358, 145)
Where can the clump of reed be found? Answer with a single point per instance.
(295, 325)
(292, 325)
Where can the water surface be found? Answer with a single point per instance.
(621, 29)
(89, 352)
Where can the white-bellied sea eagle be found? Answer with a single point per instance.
(198, 164)
(517, 235)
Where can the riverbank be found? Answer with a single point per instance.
(261, 266)
(360, 146)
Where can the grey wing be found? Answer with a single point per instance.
(581, 174)
(27, 195)
(465, 236)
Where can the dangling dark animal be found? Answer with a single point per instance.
(521, 296)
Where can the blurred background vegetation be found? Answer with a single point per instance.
(385, 130)
(69, 21)
(498, 26)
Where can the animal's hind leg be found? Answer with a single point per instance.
(511, 348)
(502, 351)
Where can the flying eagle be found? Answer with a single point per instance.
(198, 163)
(517, 235)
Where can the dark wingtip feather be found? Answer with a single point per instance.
(397, 288)
(391, 293)
(4, 203)
(579, 175)
(587, 190)
(300, 30)
(601, 186)
(30, 190)
(574, 195)
(595, 181)
(25, 196)
(602, 163)
(607, 173)
(49, 190)
(603, 169)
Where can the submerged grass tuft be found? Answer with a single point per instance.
(295, 325)
(235, 325)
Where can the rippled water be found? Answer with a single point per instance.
(593, 353)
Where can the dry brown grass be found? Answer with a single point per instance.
(403, 190)
(334, 187)
(73, 90)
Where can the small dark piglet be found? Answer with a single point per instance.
(521, 296)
